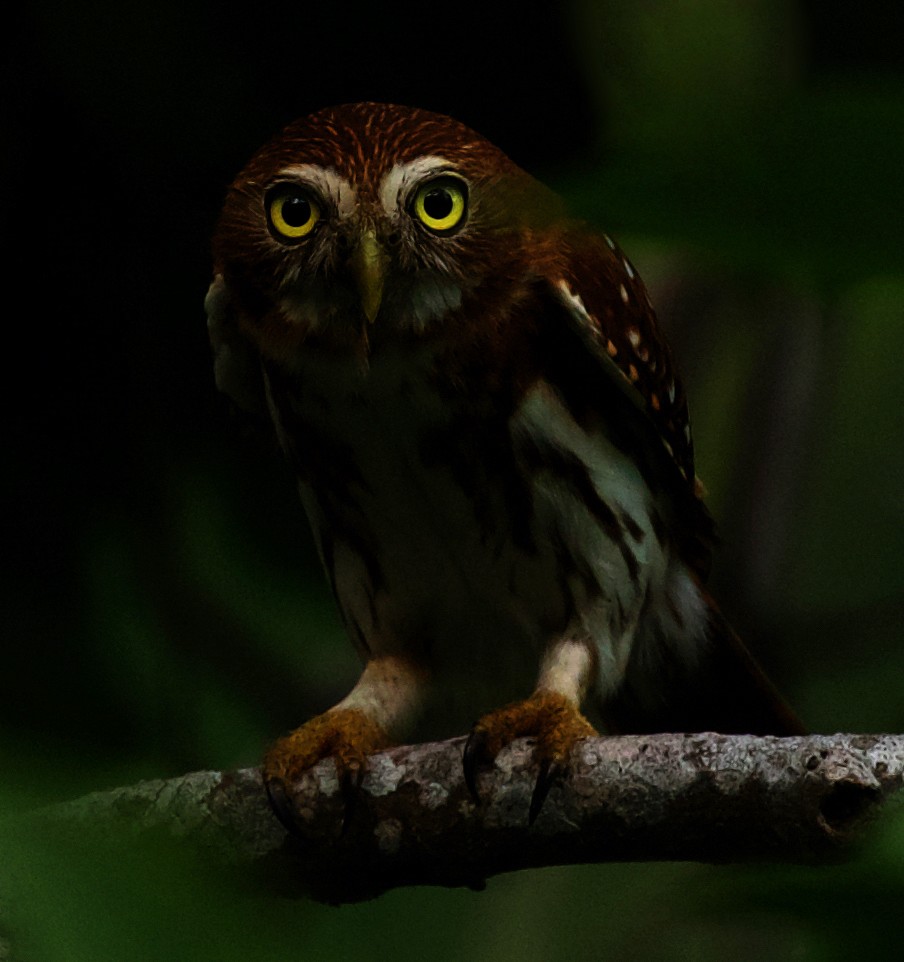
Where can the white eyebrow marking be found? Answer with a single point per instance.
(327, 182)
(396, 184)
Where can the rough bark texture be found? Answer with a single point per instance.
(704, 797)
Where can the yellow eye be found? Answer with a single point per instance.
(292, 212)
(441, 204)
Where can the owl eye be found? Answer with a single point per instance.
(292, 212)
(441, 204)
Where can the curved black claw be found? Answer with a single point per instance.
(549, 772)
(350, 780)
(281, 805)
(475, 755)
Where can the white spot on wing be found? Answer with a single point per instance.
(628, 268)
(624, 293)
(575, 304)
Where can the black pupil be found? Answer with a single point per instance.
(438, 203)
(296, 211)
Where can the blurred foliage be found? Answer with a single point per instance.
(73, 905)
(164, 610)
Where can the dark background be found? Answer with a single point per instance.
(162, 607)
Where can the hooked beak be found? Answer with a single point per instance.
(368, 264)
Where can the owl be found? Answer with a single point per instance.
(491, 444)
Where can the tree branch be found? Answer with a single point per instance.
(705, 797)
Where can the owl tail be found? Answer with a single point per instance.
(725, 690)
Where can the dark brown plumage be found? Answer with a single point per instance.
(491, 441)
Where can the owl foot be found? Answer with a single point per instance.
(346, 735)
(552, 719)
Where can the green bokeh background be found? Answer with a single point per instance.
(163, 609)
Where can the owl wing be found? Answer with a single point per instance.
(609, 323)
(236, 362)
(623, 365)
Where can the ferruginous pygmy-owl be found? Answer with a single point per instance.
(491, 444)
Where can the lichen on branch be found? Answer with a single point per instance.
(700, 797)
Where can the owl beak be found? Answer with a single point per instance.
(368, 264)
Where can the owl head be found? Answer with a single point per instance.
(372, 221)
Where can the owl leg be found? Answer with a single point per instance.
(373, 714)
(551, 715)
